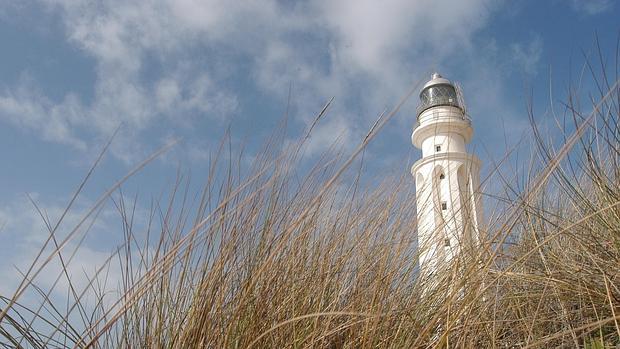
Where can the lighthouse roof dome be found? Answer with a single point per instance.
(437, 79)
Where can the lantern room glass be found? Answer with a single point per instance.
(443, 94)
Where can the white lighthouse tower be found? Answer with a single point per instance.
(447, 178)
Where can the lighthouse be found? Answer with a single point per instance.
(447, 178)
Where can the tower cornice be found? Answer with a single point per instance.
(441, 125)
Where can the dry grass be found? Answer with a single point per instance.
(271, 258)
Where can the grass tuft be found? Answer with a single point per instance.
(268, 257)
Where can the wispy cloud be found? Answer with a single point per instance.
(24, 233)
(527, 56)
(160, 62)
(27, 107)
(591, 7)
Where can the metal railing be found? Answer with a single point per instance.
(465, 117)
(438, 101)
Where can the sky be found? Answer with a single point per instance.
(74, 71)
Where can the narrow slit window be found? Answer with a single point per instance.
(438, 148)
(444, 206)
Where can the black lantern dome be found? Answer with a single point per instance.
(438, 91)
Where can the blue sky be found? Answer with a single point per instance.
(73, 71)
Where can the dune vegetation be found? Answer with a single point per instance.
(272, 256)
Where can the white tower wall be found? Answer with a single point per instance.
(447, 183)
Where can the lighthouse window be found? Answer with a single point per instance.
(444, 206)
(438, 148)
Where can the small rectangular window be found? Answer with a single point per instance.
(444, 206)
(438, 148)
(446, 242)
(442, 176)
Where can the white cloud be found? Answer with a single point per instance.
(591, 7)
(526, 57)
(121, 37)
(364, 53)
(370, 53)
(168, 94)
(379, 37)
(25, 232)
(333, 133)
(26, 107)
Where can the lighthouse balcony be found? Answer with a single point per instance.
(443, 120)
